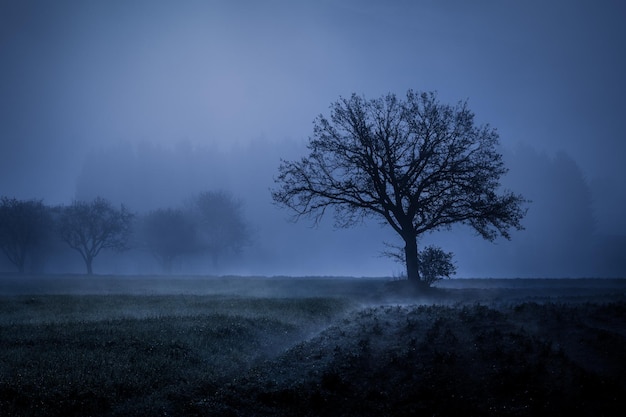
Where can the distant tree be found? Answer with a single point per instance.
(417, 164)
(220, 223)
(89, 227)
(23, 226)
(168, 234)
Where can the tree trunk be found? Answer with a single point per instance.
(411, 258)
(88, 262)
(22, 260)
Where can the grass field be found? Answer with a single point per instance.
(148, 346)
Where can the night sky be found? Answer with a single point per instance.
(245, 79)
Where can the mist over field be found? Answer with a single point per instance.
(149, 104)
(153, 154)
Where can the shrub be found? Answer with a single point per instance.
(435, 264)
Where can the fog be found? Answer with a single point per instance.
(149, 103)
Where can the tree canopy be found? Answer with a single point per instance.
(417, 164)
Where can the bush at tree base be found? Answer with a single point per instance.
(435, 264)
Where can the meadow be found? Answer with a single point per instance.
(243, 346)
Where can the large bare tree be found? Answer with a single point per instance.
(416, 163)
(89, 227)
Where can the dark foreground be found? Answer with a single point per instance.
(315, 347)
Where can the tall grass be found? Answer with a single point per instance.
(132, 355)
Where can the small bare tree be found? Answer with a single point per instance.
(89, 227)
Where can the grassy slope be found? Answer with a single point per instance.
(529, 359)
(277, 355)
(78, 355)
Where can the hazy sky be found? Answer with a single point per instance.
(81, 75)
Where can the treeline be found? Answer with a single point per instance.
(209, 224)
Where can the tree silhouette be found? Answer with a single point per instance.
(23, 225)
(435, 264)
(168, 234)
(220, 224)
(89, 227)
(417, 164)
